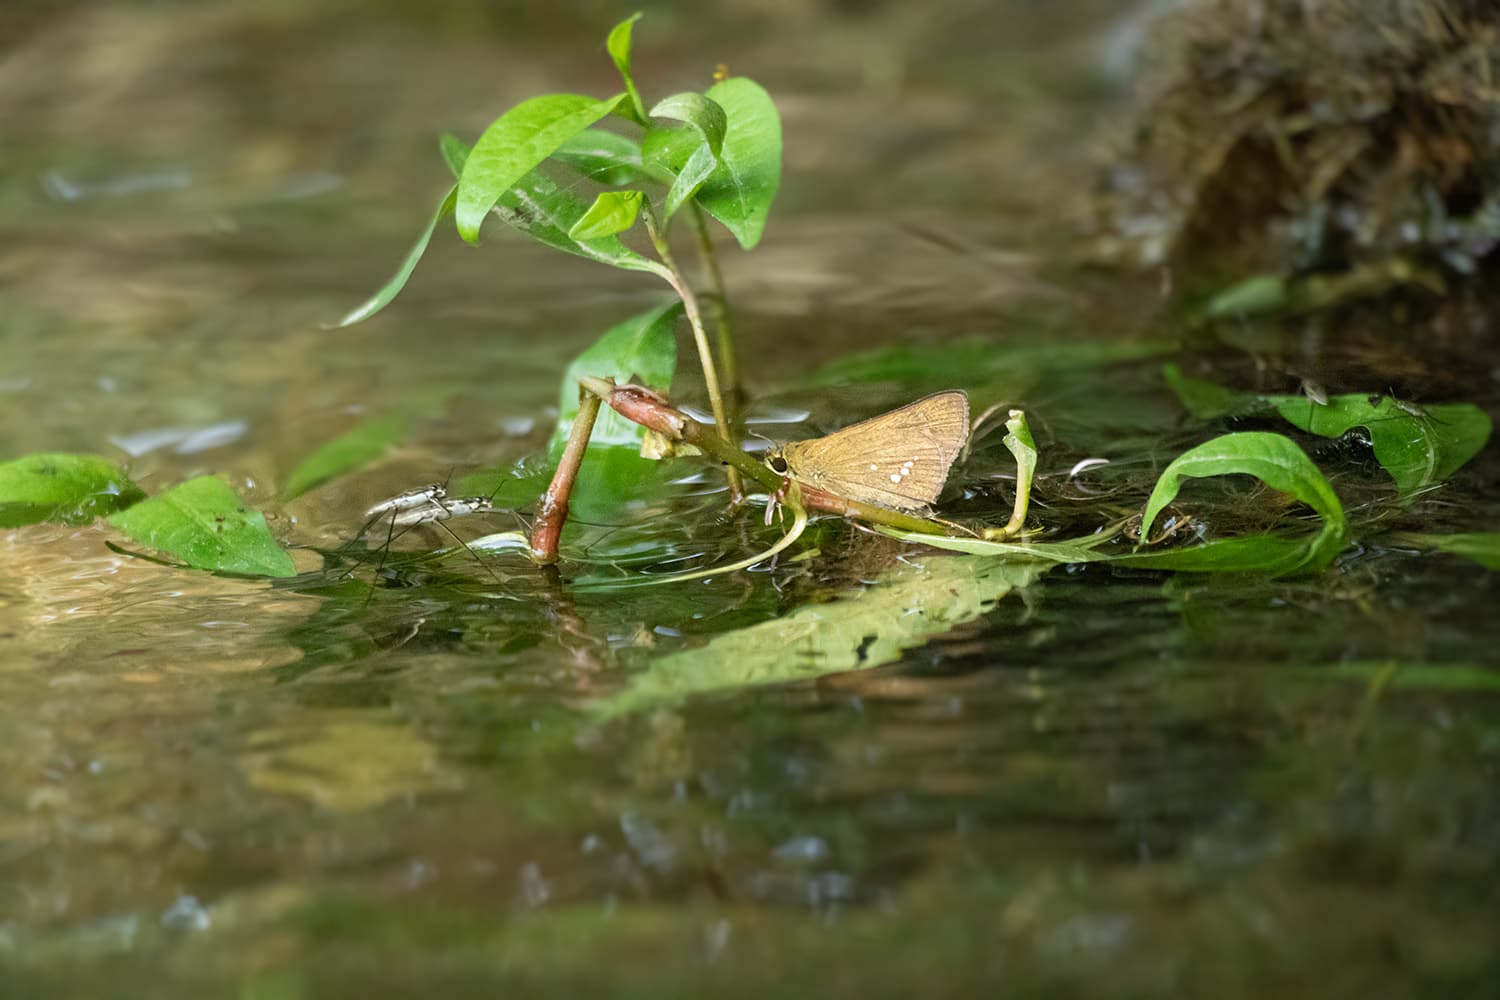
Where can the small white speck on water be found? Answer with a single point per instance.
(895, 477)
(874, 466)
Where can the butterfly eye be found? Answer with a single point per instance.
(778, 464)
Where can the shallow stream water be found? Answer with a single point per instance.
(468, 777)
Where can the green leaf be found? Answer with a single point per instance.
(606, 157)
(1044, 552)
(1458, 677)
(354, 448)
(388, 292)
(740, 191)
(1204, 400)
(66, 489)
(455, 153)
(612, 212)
(699, 111)
(1481, 546)
(545, 212)
(618, 45)
(1262, 293)
(911, 605)
(643, 347)
(514, 144)
(1418, 446)
(203, 523)
(664, 151)
(1276, 461)
(1262, 553)
(690, 180)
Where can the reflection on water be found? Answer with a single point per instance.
(427, 775)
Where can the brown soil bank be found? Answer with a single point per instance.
(1342, 154)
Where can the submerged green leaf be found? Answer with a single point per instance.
(67, 489)
(618, 45)
(871, 627)
(612, 212)
(516, 143)
(1411, 676)
(740, 190)
(205, 525)
(1481, 546)
(701, 112)
(1417, 445)
(643, 347)
(1276, 461)
(356, 447)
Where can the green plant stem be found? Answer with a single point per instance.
(718, 299)
(552, 513)
(700, 339)
(651, 411)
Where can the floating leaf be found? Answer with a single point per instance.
(204, 524)
(67, 489)
(911, 605)
(690, 180)
(612, 212)
(1418, 446)
(514, 144)
(699, 111)
(916, 367)
(353, 449)
(643, 347)
(1276, 461)
(1482, 546)
(606, 157)
(740, 191)
(618, 44)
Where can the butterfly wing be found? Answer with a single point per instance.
(898, 459)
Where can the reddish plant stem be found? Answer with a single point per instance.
(552, 514)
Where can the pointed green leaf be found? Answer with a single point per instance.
(353, 449)
(699, 111)
(205, 525)
(514, 144)
(612, 212)
(739, 193)
(1204, 400)
(1276, 461)
(690, 181)
(388, 292)
(618, 45)
(607, 158)
(1418, 446)
(67, 489)
(644, 348)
